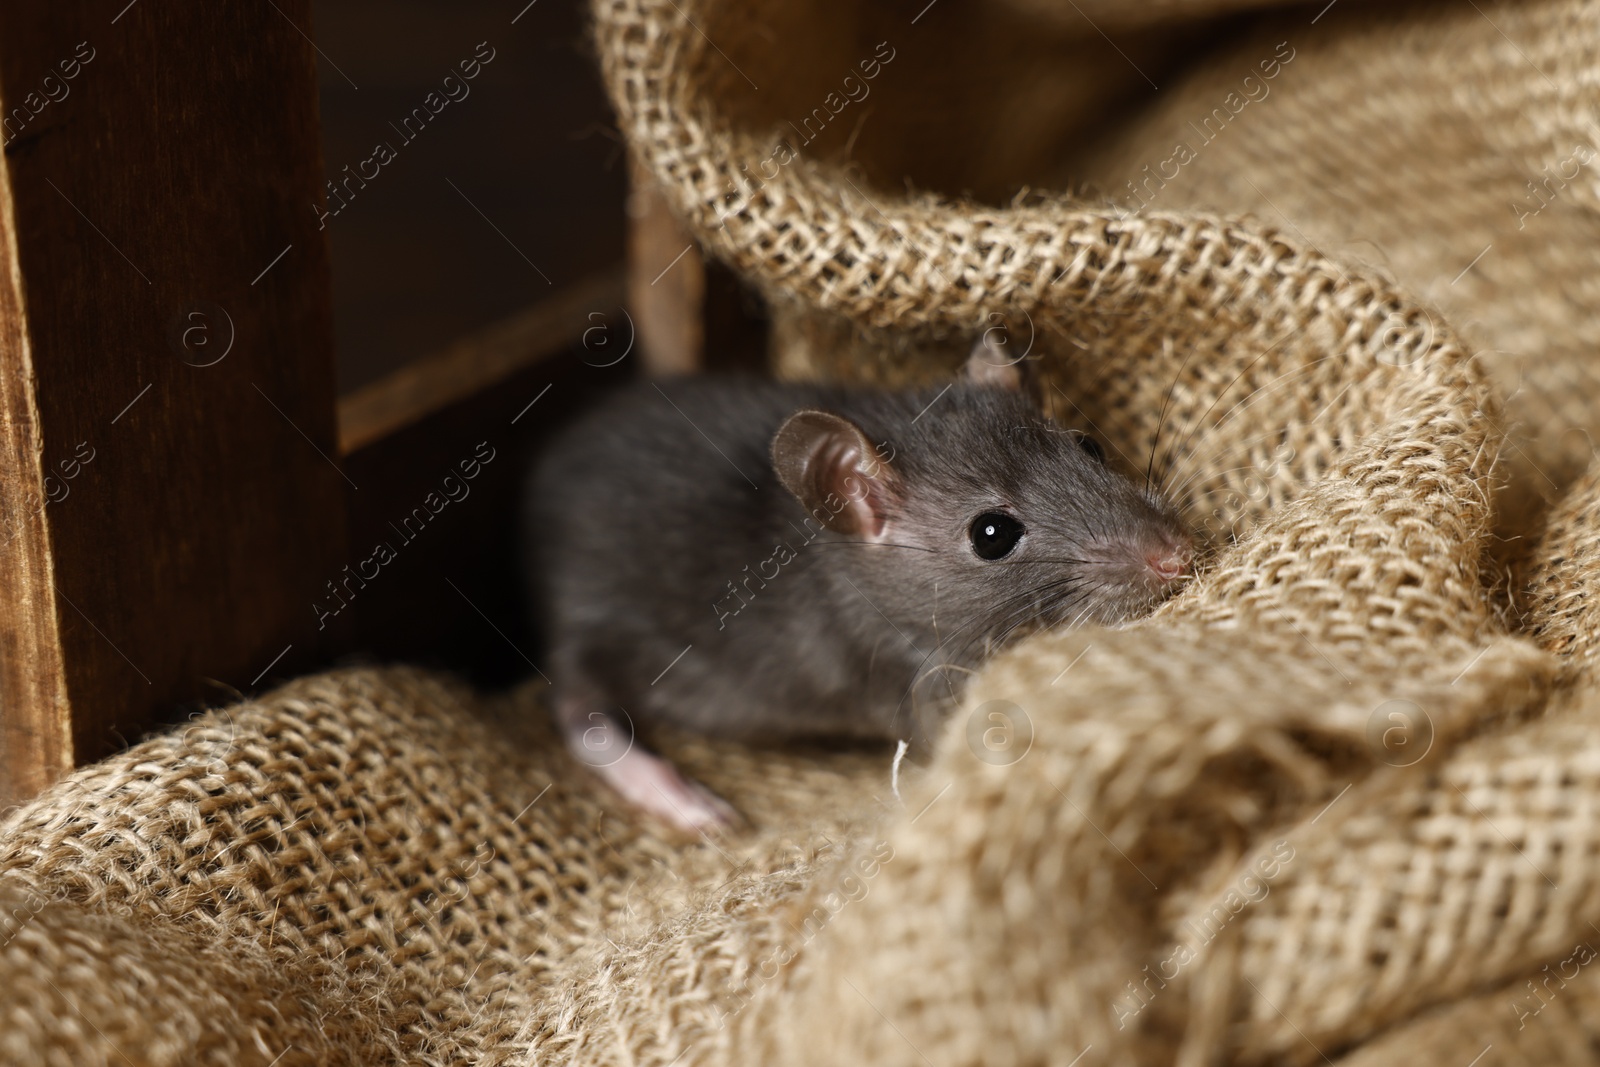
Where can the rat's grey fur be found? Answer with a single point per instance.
(643, 512)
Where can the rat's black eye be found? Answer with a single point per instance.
(1091, 446)
(994, 534)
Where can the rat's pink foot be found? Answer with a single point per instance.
(654, 785)
(645, 780)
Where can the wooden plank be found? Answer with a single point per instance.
(35, 734)
(475, 363)
(166, 370)
(666, 282)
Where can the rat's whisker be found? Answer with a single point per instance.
(1286, 378)
(1177, 492)
(1241, 446)
(1010, 615)
(1239, 405)
(1200, 422)
(1003, 612)
(1162, 418)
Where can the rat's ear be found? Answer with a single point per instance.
(835, 472)
(992, 364)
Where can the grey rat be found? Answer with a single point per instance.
(763, 561)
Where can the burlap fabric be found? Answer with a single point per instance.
(1339, 800)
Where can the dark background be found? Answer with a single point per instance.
(415, 267)
(532, 145)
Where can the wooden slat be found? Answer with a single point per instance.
(666, 282)
(481, 360)
(166, 371)
(35, 733)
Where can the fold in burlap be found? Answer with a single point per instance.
(1337, 800)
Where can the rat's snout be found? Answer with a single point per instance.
(1170, 558)
(1139, 571)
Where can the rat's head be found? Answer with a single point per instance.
(983, 511)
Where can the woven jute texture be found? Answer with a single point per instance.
(1337, 801)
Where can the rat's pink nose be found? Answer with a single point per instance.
(1170, 561)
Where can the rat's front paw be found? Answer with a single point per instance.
(651, 784)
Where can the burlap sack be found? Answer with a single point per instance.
(1337, 800)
